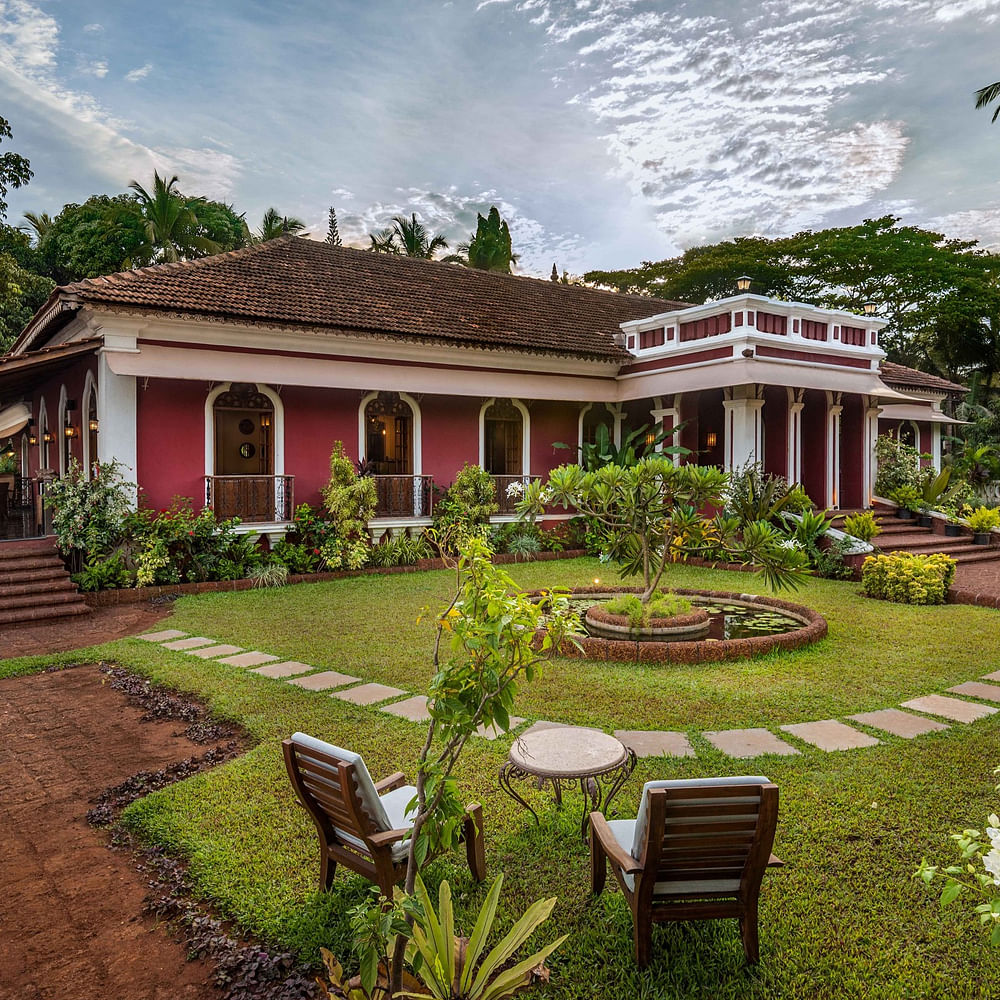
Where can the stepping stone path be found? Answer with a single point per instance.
(414, 709)
(324, 681)
(192, 643)
(831, 735)
(949, 708)
(287, 669)
(892, 720)
(252, 659)
(368, 694)
(828, 735)
(649, 743)
(744, 743)
(210, 652)
(975, 689)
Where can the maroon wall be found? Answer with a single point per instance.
(775, 415)
(73, 378)
(852, 453)
(450, 435)
(170, 441)
(552, 422)
(711, 419)
(814, 445)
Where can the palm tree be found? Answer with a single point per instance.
(172, 228)
(408, 237)
(489, 248)
(38, 222)
(274, 225)
(987, 95)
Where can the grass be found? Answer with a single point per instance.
(844, 918)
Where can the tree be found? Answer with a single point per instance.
(986, 96)
(332, 229)
(171, 222)
(38, 223)
(649, 516)
(274, 224)
(22, 294)
(220, 223)
(489, 248)
(15, 170)
(407, 237)
(554, 276)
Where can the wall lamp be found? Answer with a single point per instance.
(743, 283)
(94, 425)
(870, 308)
(711, 439)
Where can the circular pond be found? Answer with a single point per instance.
(739, 626)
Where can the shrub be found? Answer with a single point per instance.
(351, 500)
(400, 551)
(296, 557)
(104, 574)
(898, 465)
(464, 509)
(753, 495)
(907, 497)
(524, 545)
(661, 605)
(906, 578)
(269, 575)
(798, 501)
(864, 526)
(89, 514)
(984, 519)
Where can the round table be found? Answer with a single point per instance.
(567, 754)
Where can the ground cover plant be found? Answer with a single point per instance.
(844, 918)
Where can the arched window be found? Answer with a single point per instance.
(244, 431)
(504, 438)
(388, 435)
(89, 425)
(908, 433)
(593, 416)
(44, 436)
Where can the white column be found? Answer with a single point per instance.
(744, 426)
(116, 411)
(871, 462)
(794, 447)
(833, 456)
(936, 445)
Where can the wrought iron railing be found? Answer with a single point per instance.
(251, 498)
(404, 496)
(507, 499)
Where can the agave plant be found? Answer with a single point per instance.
(452, 968)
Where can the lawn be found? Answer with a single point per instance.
(844, 918)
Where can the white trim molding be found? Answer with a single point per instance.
(60, 434)
(418, 438)
(89, 389)
(279, 426)
(43, 429)
(525, 434)
(116, 412)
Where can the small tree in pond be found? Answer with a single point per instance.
(650, 514)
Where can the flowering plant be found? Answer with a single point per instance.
(88, 514)
(978, 873)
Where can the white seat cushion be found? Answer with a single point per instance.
(394, 803)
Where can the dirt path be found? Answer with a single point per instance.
(70, 923)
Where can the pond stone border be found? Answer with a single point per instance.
(814, 627)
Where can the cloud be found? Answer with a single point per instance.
(139, 73)
(93, 29)
(99, 68)
(738, 122)
(453, 214)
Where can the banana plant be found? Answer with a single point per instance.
(450, 966)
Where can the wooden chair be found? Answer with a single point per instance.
(697, 850)
(362, 824)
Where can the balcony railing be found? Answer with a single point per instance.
(251, 498)
(508, 504)
(404, 496)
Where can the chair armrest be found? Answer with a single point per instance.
(609, 844)
(388, 837)
(775, 862)
(396, 780)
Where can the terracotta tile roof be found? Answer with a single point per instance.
(910, 378)
(301, 282)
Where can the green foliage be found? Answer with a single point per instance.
(22, 294)
(269, 575)
(906, 497)
(983, 519)
(402, 551)
(171, 222)
(407, 237)
(274, 225)
(88, 515)
(464, 509)
(15, 170)
(908, 578)
(451, 972)
(753, 495)
(864, 525)
(524, 545)
(636, 445)
(797, 501)
(296, 557)
(104, 574)
(489, 248)
(351, 501)
(662, 605)
(898, 465)
(648, 515)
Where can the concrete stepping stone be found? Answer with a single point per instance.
(169, 633)
(949, 708)
(289, 668)
(653, 743)
(995, 676)
(973, 689)
(414, 709)
(892, 720)
(831, 735)
(368, 694)
(210, 652)
(322, 682)
(251, 659)
(193, 643)
(492, 733)
(744, 743)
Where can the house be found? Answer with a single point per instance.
(227, 380)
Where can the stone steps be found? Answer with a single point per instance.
(34, 584)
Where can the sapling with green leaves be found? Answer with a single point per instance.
(651, 514)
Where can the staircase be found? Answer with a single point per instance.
(34, 585)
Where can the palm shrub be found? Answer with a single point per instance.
(650, 514)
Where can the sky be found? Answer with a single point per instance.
(607, 132)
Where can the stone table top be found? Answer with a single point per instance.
(567, 752)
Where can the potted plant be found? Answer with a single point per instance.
(982, 521)
(907, 499)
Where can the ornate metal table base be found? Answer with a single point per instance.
(599, 784)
